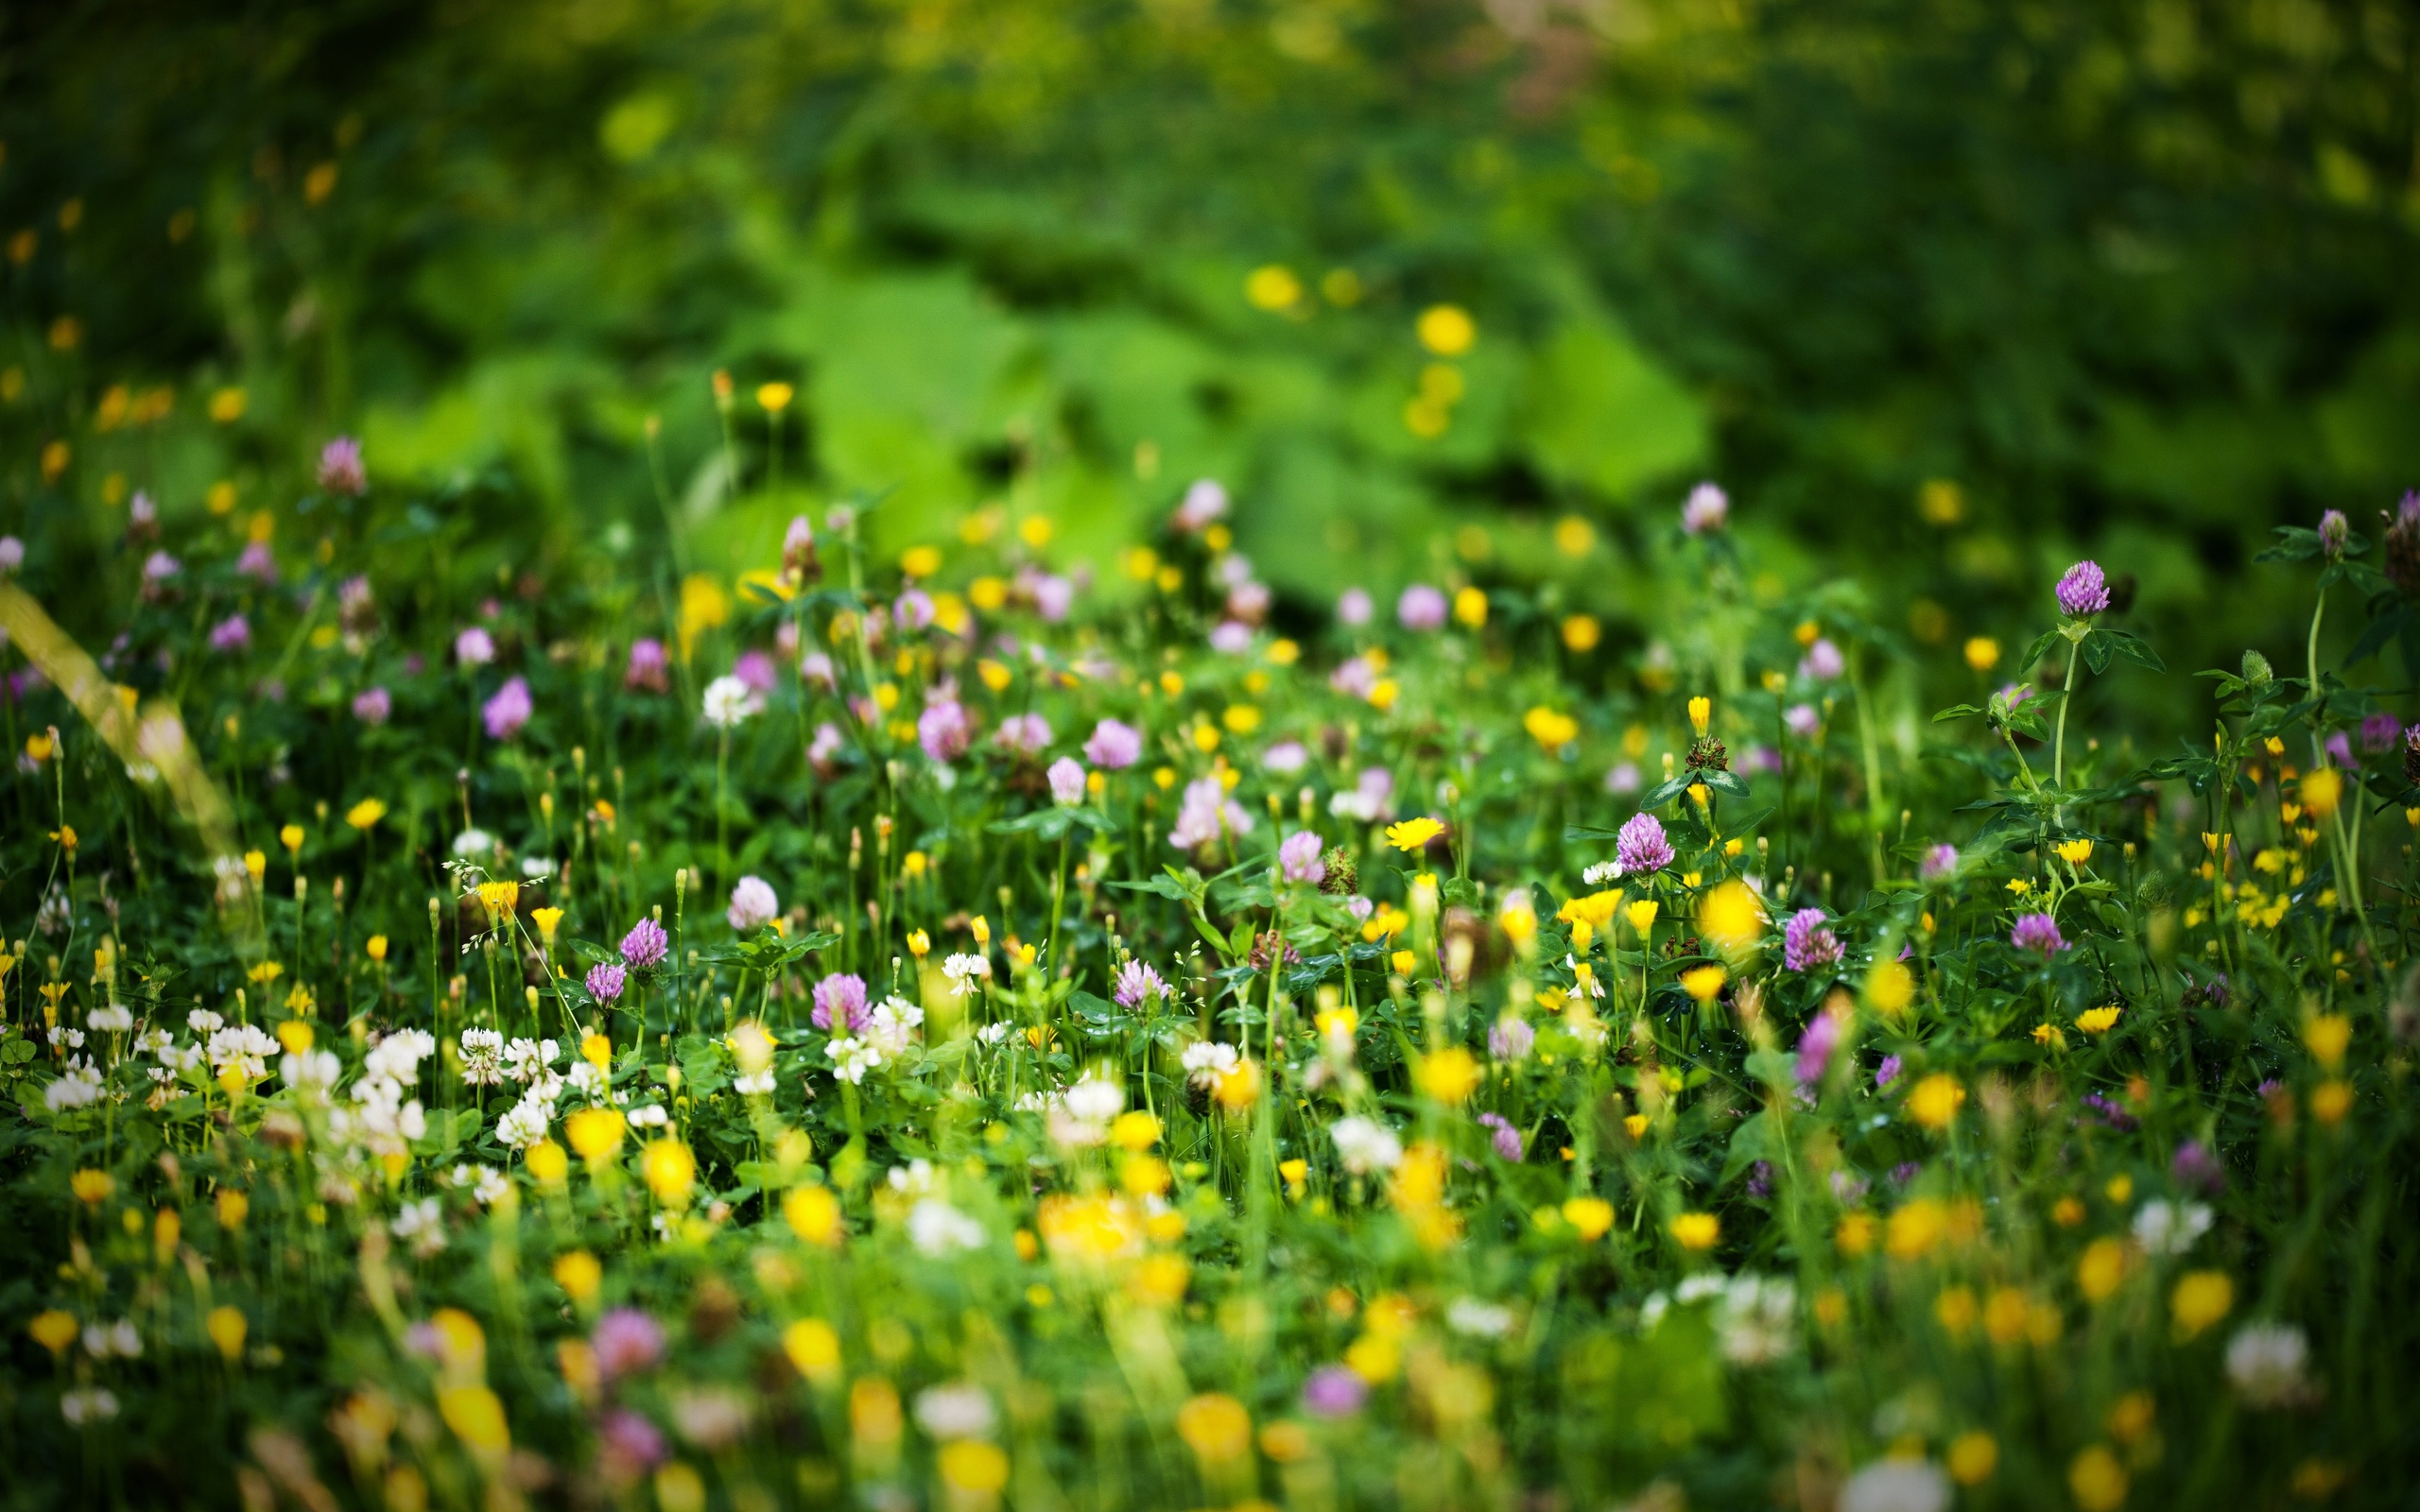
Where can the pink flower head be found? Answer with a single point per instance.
(1299, 858)
(1939, 862)
(1815, 1048)
(372, 706)
(650, 666)
(1511, 1039)
(913, 610)
(757, 669)
(1066, 782)
(1334, 1391)
(159, 567)
(753, 905)
(816, 667)
(626, 1341)
(840, 999)
(942, 730)
(505, 713)
(12, 553)
(1420, 608)
(1205, 501)
(629, 1445)
(1353, 607)
(1806, 944)
(1136, 984)
(2037, 932)
(1249, 601)
(258, 562)
(1708, 508)
(2082, 592)
(1286, 757)
(606, 980)
(1115, 746)
(1053, 595)
(645, 945)
(798, 548)
(1354, 677)
(1207, 815)
(1822, 661)
(1640, 845)
(2378, 733)
(1231, 637)
(2340, 748)
(2335, 531)
(1803, 720)
(341, 469)
(1025, 735)
(1502, 1135)
(474, 647)
(233, 633)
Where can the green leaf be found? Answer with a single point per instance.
(1957, 710)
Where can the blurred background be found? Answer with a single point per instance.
(1944, 293)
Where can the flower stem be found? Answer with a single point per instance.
(2067, 701)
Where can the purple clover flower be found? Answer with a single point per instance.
(2109, 1114)
(1806, 944)
(1026, 735)
(1815, 1048)
(2037, 932)
(1420, 608)
(1137, 983)
(1511, 1039)
(1708, 508)
(1066, 782)
(650, 667)
(505, 713)
(645, 945)
(1353, 607)
(1334, 1391)
(2195, 1165)
(233, 633)
(372, 706)
(1506, 1139)
(1299, 858)
(2335, 531)
(606, 980)
(2380, 732)
(2082, 592)
(1887, 1072)
(942, 730)
(1115, 746)
(340, 469)
(753, 905)
(474, 647)
(840, 999)
(1938, 864)
(1640, 845)
(1822, 661)
(626, 1341)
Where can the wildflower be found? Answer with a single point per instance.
(88, 1405)
(1822, 661)
(372, 706)
(1895, 1486)
(1363, 1145)
(1696, 1230)
(957, 1410)
(2082, 592)
(1138, 984)
(2171, 1228)
(1983, 653)
(1705, 982)
(648, 669)
(1934, 1101)
(1449, 1075)
(1807, 945)
(2098, 1480)
(233, 633)
(1216, 1427)
(1066, 782)
(2098, 1021)
(1420, 608)
(1510, 1038)
(2335, 531)
(12, 555)
(936, 1228)
(729, 701)
(1026, 735)
(473, 647)
(1708, 508)
(964, 971)
(341, 469)
(2037, 932)
(626, 1342)
(2322, 789)
(753, 905)
(1300, 858)
(1504, 1136)
(645, 945)
(1205, 500)
(2201, 1299)
(505, 713)
(2265, 1362)
(1334, 1391)
(159, 567)
(1640, 845)
(840, 999)
(1815, 1048)
(1115, 746)
(605, 982)
(1207, 815)
(944, 731)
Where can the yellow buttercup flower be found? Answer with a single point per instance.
(1934, 1101)
(1730, 917)
(814, 1346)
(2098, 1021)
(2075, 852)
(1450, 1075)
(1216, 1427)
(1983, 653)
(291, 837)
(594, 1132)
(365, 813)
(227, 1327)
(1590, 1217)
(2201, 1299)
(1414, 834)
(92, 1188)
(2327, 1036)
(2322, 790)
(1704, 983)
(671, 1169)
(1550, 729)
(580, 1273)
(53, 1329)
(1696, 1230)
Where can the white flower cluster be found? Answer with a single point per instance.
(1209, 1062)
(1365, 1145)
(422, 1225)
(115, 1017)
(936, 1228)
(2171, 1228)
(964, 972)
(1080, 1117)
(78, 1086)
(481, 1051)
(889, 1030)
(1753, 1316)
(384, 1118)
(240, 1047)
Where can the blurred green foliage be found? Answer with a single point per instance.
(2128, 278)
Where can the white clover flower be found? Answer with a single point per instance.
(528, 1060)
(241, 1047)
(1478, 1319)
(959, 1411)
(892, 1026)
(472, 845)
(525, 1124)
(729, 701)
(758, 1085)
(490, 1186)
(965, 971)
(2171, 1228)
(317, 1069)
(1365, 1145)
(103, 1340)
(991, 1034)
(115, 1017)
(650, 1116)
(67, 1036)
(936, 1228)
(1207, 1063)
(203, 1022)
(481, 1051)
(2265, 1362)
(852, 1058)
(1896, 1485)
(88, 1405)
(80, 1087)
(421, 1224)
(1755, 1319)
